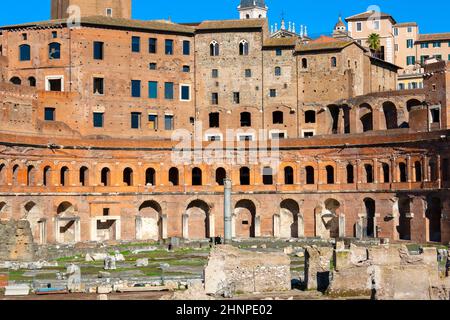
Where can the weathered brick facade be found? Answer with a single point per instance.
(374, 168)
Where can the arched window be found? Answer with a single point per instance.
(369, 173)
(403, 173)
(32, 81)
(150, 177)
(16, 81)
(310, 116)
(277, 117)
(304, 63)
(267, 176)
(106, 177)
(418, 171)
(64, 176)
(333, 62)
(197, 177)
(15, 175)
(214, 48)
(221, 174)
(24, 52)
(288, 176)
(47, 176)
(277, 71)
(31, 176)
(246, 119)
(54, 51)
(386, 173)
(84, 176)
(309, 171)
(330, 174)
(128, 177)
(350, 174)
(174, 176)
(243, 48)
(244, 176)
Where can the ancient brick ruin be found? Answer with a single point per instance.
(16, 241)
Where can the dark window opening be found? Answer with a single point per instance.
(304, 63)
(49, 114)
(403, 173)
(221, 174)
(150, 177)
(186, 47)
(169, 47)
(16, 81)
(267, 176)
(46, 176)
(310, 116)
(64, 177)
(54, 51)
(236, 97)
(98, 50)
(106, 177)
(243, 48)
(214, 120)
(215, 73)
(99, 85)
(135, 88)
(197, 177)
(152, 45)
(277, 117)
(98, 119)
(288, 176)
(386, 173)
(25, 52)
(135, 120)
(445, 168)
(418, 171)
(84, 176)
(168, 90)
(215, 98)
(350, 174)
(55, 84)
(174, 176)
(246, 119)
(369, 173)
(330, 174)
(244, 176)
(128, 177)
(32, 81)
(135, 44)
(310, 179)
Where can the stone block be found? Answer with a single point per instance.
(104, 289)
(17, 290)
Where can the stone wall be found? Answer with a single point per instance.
(16, 241)
(246, 272)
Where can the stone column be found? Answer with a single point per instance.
(409, 168)
(164, 226)
(185, 226)
(393, 170)
(425, 170)
(257, 226)
(376, 171)
(227, 211)
(342, 226)
(276, 225)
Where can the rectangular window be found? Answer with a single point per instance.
(376, 25)
(135, 88)
(448, 58)
(98, 119)
(186, 47)
(359, 26)
(278, 135)
(152, 66)
(409, 29)
(308, 134)
(135, 44)
(396, 47)
(152, 45)
(49, 114)
(436, 44)
(215, 98)
(54, 34)
(185, 93)
(410, 60)
(109, 12)
(169, 47)
(273, 93)
(99, 86)
(168, 122)
(186, 69)
(409, 43)
(279, 52)
(214, 120)
(168, 90)
(54, 84)
(153, 89)
(248, 73)
(435, 115)
(135, 120)
(236, 97)
(153, 122)
(424, 45)
(98, 50)
(422, 59)
(395, 31)
(215, 73)
(438, 56)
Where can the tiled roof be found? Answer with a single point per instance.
(406, 24)
(434, 37)
(321, 46)
(369, 14)
(280, 42)
(231, 24)
(157, 25)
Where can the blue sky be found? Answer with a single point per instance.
(320, 16)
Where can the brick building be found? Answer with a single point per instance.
(89, 113)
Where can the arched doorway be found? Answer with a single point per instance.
(196, 221)
(245, 219)
(33, 214)
(369, 220)
(290, 222)
(149, 221)
(404, 222)
(434, 216)
(366, 117)
(67, 224)
(328, 220)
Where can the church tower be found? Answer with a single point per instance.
(253, 9)
(108, 8)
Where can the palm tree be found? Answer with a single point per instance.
(374, 43)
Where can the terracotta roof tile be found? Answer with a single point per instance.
(434, 37)
(231, 24)
(406, 24)
(321, 46)
(280, 42)
(367, 15)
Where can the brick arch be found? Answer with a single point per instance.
(197, 220)
(245, 222)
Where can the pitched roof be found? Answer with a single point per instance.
(323, 46)
(252, 3)
(231, 24)
(369, 14)
(433, 37)
(155, 25)
(280, 42)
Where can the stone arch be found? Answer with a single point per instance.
(31, 175)
(197, 177)
(434, 218)
(196, 221)
(67, 223)
(15, 175)
(16, 80)
(245, 219)
(288, 223)
(47, 176)
(64, 176)
(289, 175)
(150, 221)
(214, 48)
(84, 176)
(3, 209)
(327, 220)
(150, 177)
(33, 214)
(174, 176)
(390, 115)
(330, 174)
(244, 48)
(366, 117)
(128, 177)
(221, 174)
(105, 177)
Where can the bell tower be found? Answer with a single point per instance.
(109, 8)
(253, 9)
